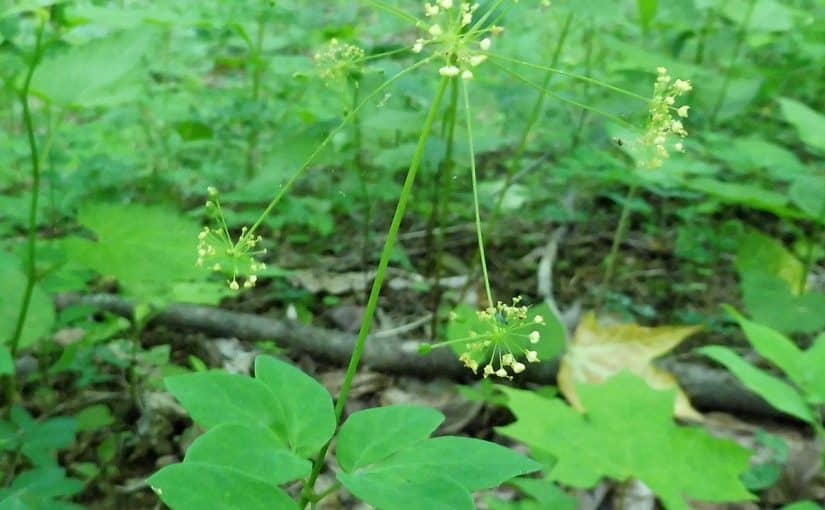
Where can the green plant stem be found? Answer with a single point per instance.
(588, 69)
(618, 237)
(476, 208)
(723, 93)
(252, 138)
(318, 150)
(535, 114)
(440, 213)
(375, 291)
(31, 240)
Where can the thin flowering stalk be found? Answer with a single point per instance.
(538, 107)
(395, 11)
(618, 237)
(347, 118)
(723, 93)
(580, 77)
(31, 234)
(483, 258)
(375, 291)
(609, 116)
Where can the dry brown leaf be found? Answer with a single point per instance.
(598, 352)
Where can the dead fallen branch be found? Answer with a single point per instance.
(708, 388)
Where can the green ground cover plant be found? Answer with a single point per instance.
(202, 152)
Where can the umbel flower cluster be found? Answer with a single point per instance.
(500, 338)
(337, 59)
(451, 35)
(218, 252)
(665, 120)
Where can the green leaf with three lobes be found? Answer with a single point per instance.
(101, 72)
(140, 246)
(436, 473)
(371, 435)
(282, 398)
(305, 414)
(206, 486)
(628, 432)
(250, 449)
(775, 391)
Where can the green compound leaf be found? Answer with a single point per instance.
(213, 398)
(628, 432)
(205, 486)
(249, 449)
(145, 248)
(393, 490)
(40, 489)
(101, 72)
(776, 392)
(40, 317)
(371, 435)
(304, 417)
(770, 344)
(436, 473)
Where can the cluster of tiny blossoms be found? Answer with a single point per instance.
(664, 120)
(218, 252)
(502, 333)
(338, 59)
(449, 32)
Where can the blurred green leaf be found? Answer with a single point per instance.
(98, 73)
(809, 123)
(40, 316)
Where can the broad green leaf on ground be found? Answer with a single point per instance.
(40, 440)
(802, 505)
(803, 368)
(745, 194)
(809, 124)
(101, 72)
(139, 245)
(191, 485)
(212, 398)
(94, 417)
(770, 301)
(436, 473)
(546, 493)
(759, 253)
(770, 344)
(771, 282)
(250, 449)
(396, 491)
(808, 193)
(294, 406)
(628, 432)
(600, 352)
(775, 391)
(304, 415)
(40, 316)
(40, 489)
(371, 435)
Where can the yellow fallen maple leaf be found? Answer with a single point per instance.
(599, 352)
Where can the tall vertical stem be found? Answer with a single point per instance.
(31, 242)
(252, 138)
(375, 291)
(743, 33)
(618, 237)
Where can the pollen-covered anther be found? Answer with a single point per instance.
(532, 356)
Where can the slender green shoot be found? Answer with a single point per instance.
(378, 282)
(318, 150)
(479, 235)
